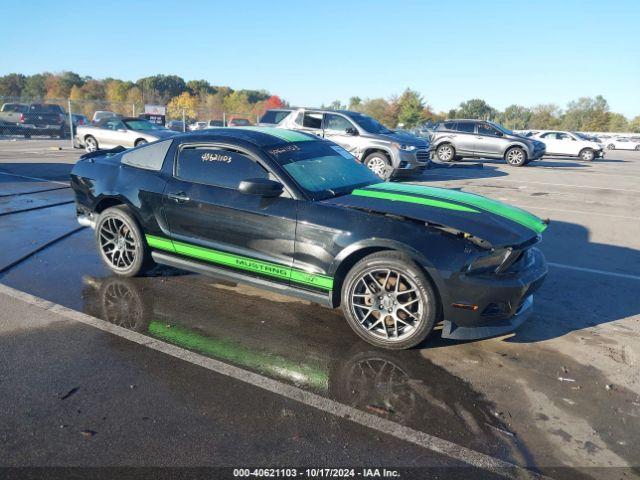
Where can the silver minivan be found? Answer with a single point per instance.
(387, 153)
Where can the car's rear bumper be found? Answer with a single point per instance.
(484, 306)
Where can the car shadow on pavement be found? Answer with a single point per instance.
(462, 171)
(607, 290)
(57, 172)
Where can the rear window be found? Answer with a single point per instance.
(273, 116)
(149, 157)
(466, 127)
(37, 107)
(15, 107)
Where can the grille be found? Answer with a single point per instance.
(422, 155)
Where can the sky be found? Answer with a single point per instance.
(312, 53)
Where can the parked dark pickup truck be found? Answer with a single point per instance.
(44, 119)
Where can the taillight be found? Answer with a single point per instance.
(21, 118)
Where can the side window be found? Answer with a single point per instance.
(549, 136)
(486, 129)
(336, 123)
(312, 120)
(114, 124)
(216, 166)
(563, 136)
(466, 127)
(149, 157)
(448, 126)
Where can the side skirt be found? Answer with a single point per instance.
(323, 299)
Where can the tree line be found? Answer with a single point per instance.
(198, 98)
(411, 110)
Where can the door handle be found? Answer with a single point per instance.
(479, 138)
(179, 197)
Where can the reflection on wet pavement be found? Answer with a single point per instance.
(501, 398)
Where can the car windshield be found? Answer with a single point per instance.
(323, 169)
(504, 130)
(367, 123)
(581, 136)
(142, 125)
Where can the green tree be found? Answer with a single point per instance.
(544, 116)
(237, 103)
(12, 85)
(476, 108)
(200, 88)
(379, 109)
(617, 123)
(634, 125)
(355, 103)
(515, 117)
(586, 113)
(35, 86)
(161, 88)
(410, 108)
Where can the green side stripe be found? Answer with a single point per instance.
(222, 348)
(282, 133)
(241, 263)
(411, 199)
(483, 203)
(159, 242)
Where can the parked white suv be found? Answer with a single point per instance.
(570, 144)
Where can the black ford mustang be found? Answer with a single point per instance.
(289, 212)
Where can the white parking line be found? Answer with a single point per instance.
(35, 178)
(422, 439)
(596, 271)
(502, 179)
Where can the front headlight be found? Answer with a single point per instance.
(406, 148)
(490, 262)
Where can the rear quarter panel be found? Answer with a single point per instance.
(104, 180)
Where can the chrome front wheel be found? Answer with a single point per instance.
(386, 304)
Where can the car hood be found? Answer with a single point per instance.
(403, 138)
(495, 222)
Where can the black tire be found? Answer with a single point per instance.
(446, 152)
(587, 154)
(515, 157)
(121, 244)
(637, 147)
(379, 163)
(142, 141)
(611, 146)
(91, 144)
(420, 303)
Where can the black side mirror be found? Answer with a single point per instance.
(261, 186)
(351, 131)
(499, 134)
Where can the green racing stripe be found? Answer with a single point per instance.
(475, 203)
(365, 192)
(240, 262)
(282, 134)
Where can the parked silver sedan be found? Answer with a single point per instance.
(112, 132)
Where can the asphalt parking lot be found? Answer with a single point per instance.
(561, 397)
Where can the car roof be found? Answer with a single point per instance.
(259, 136)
